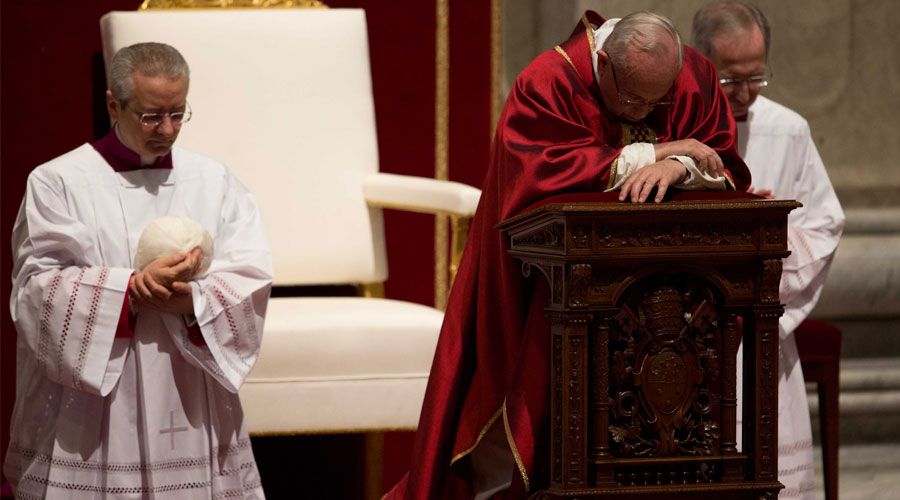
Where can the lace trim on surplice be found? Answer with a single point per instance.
(242, 447)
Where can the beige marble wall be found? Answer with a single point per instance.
(836, 62)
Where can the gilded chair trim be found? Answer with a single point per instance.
(371, 290)
(441, 146)
(230, 4)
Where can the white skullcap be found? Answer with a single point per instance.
(168, 235)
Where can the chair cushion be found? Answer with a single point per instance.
(327, 338)
(341, 364)
(818, 341)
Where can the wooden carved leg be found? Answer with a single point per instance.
(571, 436)
(729, 386)
(766, 394)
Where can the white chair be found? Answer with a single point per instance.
(284, 98)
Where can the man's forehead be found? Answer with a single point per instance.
(159, 93)
(739, 46)
(159, 83)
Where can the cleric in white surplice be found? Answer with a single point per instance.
(127, 379)
(777, 145)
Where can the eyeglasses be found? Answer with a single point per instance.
(635, 102)
(754, 82)
(153, 120)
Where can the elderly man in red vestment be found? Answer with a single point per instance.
(621, 105)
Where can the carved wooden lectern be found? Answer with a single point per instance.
(648, 304)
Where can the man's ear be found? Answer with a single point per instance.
(112, 107)
(602, 57)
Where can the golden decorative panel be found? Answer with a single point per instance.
(227, 4)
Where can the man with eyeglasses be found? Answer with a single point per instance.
(127, 379)
(619, 106)
(777, 145)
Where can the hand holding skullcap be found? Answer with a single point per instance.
(167, 235)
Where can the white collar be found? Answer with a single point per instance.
(600, 36)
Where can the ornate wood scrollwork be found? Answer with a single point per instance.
(715, 234)
(576, 429)
(771, 280)
(773, 234)
(556, 284)
(556, 453)
(695, 234)
(665, 382)
(581, 236)
(549, 236)
(580, 281)
(768, 396)
(600, 387)
(644, 235)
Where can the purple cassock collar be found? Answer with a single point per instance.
(122, 159)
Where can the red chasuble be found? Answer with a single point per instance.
(492, 360)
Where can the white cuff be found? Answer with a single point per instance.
(696, 180)
(632, 158)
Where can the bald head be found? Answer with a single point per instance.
(644, 41)
(638, 64)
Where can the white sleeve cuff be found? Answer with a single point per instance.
(632, 158)
(696, 180)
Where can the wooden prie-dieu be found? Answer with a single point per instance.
(648, 305)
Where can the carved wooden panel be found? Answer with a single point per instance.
(548, 236)
(767, 393)
(556, 411)
(665, 380)
(576, 432)
(770, 281)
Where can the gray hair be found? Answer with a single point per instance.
(726, 16)
(149, 59)
(641, 31)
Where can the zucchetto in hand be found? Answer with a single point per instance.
(167, 235)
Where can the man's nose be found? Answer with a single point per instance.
(167, 126)
(742, 92)
(642, 113)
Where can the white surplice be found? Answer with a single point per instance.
(153, 416)
(778, 148)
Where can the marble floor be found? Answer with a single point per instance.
(867, 472)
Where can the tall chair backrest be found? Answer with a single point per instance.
(284, 98)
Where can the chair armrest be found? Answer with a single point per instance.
(420, 194)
